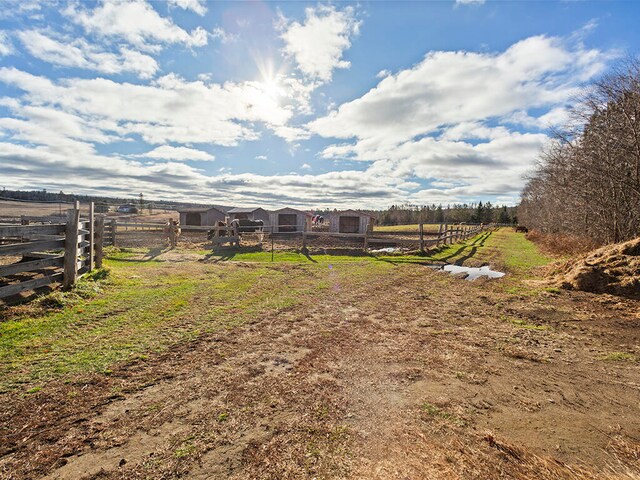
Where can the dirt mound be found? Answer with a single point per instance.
(613, 269)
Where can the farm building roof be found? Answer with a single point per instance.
(289, 209)
(244, 210)
(353, 213)
(203, 209)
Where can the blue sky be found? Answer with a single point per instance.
(293, 103)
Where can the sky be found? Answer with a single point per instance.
(301, 104)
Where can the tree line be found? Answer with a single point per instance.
(458, 213)
(587, 182)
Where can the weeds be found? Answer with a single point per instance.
(619, 357)
(435, 411)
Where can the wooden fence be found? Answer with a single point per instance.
(52, 251)
(447, 234)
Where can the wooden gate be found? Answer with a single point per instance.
(34, 256)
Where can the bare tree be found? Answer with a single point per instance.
(587, 182)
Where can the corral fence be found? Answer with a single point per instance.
(129, 233)
(44, 251)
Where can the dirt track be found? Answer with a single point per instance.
(414, 374)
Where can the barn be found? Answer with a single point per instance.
(290, 220)
(350, 221)
(201, 216)
(255, 213)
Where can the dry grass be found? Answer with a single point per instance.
(613, 269)
(560, 245)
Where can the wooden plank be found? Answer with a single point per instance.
(365, 243)
(17, 248)
(421, 228)
(114, 229)
(16, 288)
(31, 266)
(26, 219)
(147, 224)
(196, 228)
(336, 234)
(406, 233)
(26, 230)
(99, 241)
(71, 247)
(32, 238)
(40, 255)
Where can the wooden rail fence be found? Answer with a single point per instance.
(56, 249)
(447, 234)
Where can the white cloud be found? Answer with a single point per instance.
(447, 88)
(448, 117)
(197, 6)
(305, 166)
(179, 154)
(29, 9)
(6, 47)
(470, 2)
(223, 36)
(112, 175)
(136, 22)
(317, 45)
(170, 110)
(78, 53)
(260, 157)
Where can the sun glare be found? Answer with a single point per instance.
(272, 87)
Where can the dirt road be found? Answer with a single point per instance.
(401, 373)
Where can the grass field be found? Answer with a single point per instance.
(186, 364)
(413, 228)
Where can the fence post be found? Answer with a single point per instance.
(421, 228)
(365, 245)
(92, 233)
(114, 226)
(99, 239)
(304, 235)
(71, 246)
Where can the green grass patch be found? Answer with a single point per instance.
(437, 412)
(619, 357)
(413, 228)
(519, 254)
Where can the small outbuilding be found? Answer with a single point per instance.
(255, 213)
(201, 216)
(290, 220)
(127, 208)
(350, 221)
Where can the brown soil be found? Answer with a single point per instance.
(409, 375)
(613, 269)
